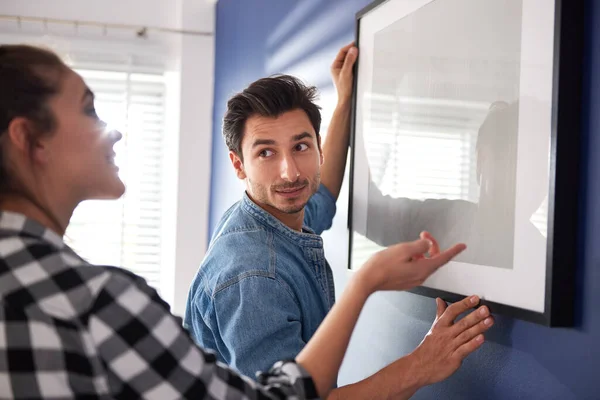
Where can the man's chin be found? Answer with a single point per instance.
(291, 208)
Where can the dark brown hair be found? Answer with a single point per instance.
(29, 76)
(268, 97)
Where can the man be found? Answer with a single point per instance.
(265, 286)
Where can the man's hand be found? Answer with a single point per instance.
(341, 71)
(335, 147)
(448, 342)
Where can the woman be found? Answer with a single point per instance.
(71, 330)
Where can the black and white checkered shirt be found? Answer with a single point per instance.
(72, 330)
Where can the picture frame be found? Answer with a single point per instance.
(466, 124)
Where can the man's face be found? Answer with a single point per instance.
(281, 161)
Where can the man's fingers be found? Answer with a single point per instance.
(463, 351)
(349, 60)
(454, 310)
(341, 56)
(346, 48)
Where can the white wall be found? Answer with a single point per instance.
(195, 148)
(189, 93)
(165, 13)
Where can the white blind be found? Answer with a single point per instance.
(127, 232)
(424, 148)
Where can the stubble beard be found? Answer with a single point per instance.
(261, 194)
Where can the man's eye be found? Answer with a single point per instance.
(265, 153)
(302, 147)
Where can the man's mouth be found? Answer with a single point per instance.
(290, 192)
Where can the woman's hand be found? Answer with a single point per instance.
(406, 265)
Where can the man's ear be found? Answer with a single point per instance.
(21, 134)
(238, 165)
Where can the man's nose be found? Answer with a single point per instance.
(289, 169)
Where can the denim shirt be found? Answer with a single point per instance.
(263, 289)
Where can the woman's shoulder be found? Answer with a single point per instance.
(37, 274)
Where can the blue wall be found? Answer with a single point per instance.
(520, 360)
(258, 38)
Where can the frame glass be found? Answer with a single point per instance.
(466, 125)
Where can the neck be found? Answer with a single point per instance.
(293, 221)
(56, 220)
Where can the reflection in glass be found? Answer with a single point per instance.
(440, 133)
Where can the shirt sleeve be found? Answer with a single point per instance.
(148, 354)
(320, 210)
(258, 322)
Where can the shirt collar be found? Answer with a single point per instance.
(12, 223)
(306, 238)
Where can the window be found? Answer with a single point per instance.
(127, 232)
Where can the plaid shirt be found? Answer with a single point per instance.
(72, 330)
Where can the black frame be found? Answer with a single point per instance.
(564, 172)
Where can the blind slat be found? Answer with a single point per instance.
(127, 232)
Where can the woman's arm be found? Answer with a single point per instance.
(149, 355)
(399, 267)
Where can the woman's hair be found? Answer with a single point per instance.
(29, 77)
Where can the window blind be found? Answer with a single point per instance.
(127, 232)
(424, 148)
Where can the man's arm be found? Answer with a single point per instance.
(320, 210)
(335, 147)
(258, 322)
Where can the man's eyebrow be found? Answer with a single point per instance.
(260, 142)
(301, 136)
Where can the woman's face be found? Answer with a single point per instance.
(79, 156)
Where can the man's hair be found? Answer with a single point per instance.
(268, 97)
